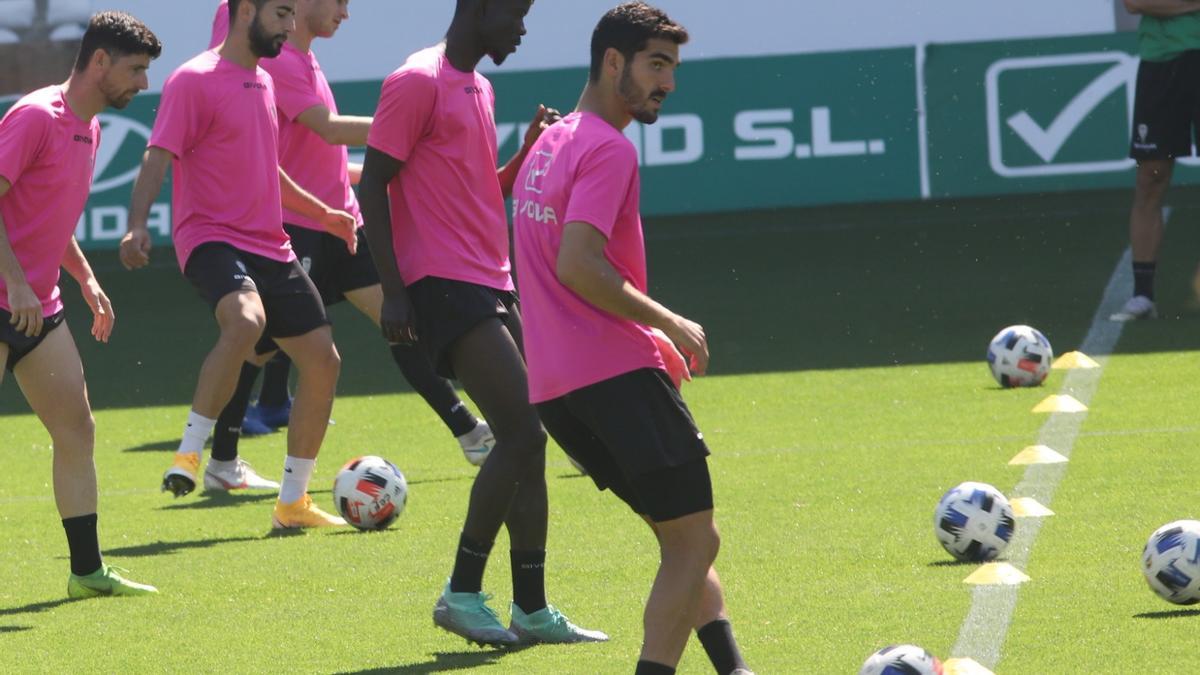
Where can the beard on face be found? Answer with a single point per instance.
(114, 96)
(637, 101)
(263, 44)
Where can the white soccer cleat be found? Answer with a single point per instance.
(477, 443)
(1137, 307)
(241, 477)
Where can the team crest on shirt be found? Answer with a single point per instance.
(538, 168)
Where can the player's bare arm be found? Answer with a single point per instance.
(336, 129)
(396, 315)
(338, 223)
(26, 308)
(355, 172)
(541, 121)
(582, 267)
(103, 317)
(1162, 9)
(135, 245)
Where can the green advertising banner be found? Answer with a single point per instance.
(738, 134)
(1032, 115)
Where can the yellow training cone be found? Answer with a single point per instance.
(1060, 403)
(1028, 507)
(1072, 360)
(1037, 454)
(964, 667)
(996, 574)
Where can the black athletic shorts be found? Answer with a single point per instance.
(635, 436)
(333, 270)
(291, 301)
(1166, 108)
(19, 346)
(446, 309)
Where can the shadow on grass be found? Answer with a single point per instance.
(952, 563)
(167, 547)
(34, 608)
(448, 479)
(215, 499)
(14, 629)
(156, 446)
(440, 663)
(1168, 614)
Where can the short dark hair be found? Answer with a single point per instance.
(628, 28)
(118, 34)
(233, 7)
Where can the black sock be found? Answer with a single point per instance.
(529, 580)
(1143, 278)
(435, 389)
(652, 668)
(83, 544)
(722, 649)
(229, 423)
(468, 565)
(275, 382)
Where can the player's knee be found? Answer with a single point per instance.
(693, 539)
(74, 430)
(244, 330)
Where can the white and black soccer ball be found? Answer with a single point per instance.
(974, 522)
(1171, 562)
(370, 492)
(902, 660)
(1020, 356)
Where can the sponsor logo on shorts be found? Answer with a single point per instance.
(1143, 130)
(306, 264)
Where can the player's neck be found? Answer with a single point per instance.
(237, 50)
(461, 51)
(607, 108)
(85, 101)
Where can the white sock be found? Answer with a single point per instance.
(296, 473)
(219, 466)
(195, 434)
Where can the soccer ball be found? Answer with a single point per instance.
(902, 660)
(1020, 356)
(1171, 562)
(370, 492)
(974, 522)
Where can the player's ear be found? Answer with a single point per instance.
(614, 62)
(100, 59)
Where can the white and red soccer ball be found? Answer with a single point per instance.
(902, 660)
(370, 492)
(1020, 356)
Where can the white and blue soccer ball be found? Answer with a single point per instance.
(974, 522)
(1171, 562)
(1020, 356)
(370, 492)
(902, 660)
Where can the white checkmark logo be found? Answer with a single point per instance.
(1048, 141)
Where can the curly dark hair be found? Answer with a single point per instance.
(628, 28)
(118, 34)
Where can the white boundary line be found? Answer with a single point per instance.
(985, 628)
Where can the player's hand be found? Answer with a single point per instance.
(677, 368)
(135, 248)
(541, 121)
(26, 310)
(343, 226)
(103, 317)
(397, 319)
(690, 338)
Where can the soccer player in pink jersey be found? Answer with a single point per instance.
(217, 126)
(312, 140)
(596, 374)
(48, 145)
(433, 201)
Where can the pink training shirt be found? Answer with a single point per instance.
(318, 167)
(47, 154)
(219, 121)
(447, 209)
(581, 170)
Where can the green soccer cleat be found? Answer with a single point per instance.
(549, 626)
(105, 581)
(467, 615)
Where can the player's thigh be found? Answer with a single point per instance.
(241, 317)
(314, 349)
(488, 363)
(368, 300)
(51, 378)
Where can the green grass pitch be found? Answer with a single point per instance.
(848, 393)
